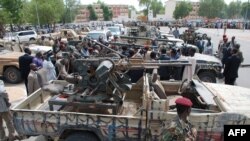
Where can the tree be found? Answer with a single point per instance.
(107, 14)
(3, 20)
(211, 8)
(223, 13)
(49, 12)
(92, 14)
(245, 12)
(12, 8)
(234, 9)
(71, 9)
(147, 4)
(182, 10)
(25, 12)
(156, 6)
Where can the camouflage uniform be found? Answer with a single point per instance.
(178, 130)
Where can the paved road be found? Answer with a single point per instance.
(242, 37)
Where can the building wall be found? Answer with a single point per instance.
(117, 10)
(170, 7)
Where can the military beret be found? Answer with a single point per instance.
(184, 101)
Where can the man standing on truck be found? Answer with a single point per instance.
(180, 129)
(5, 114)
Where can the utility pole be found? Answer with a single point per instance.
(237, 10)
(248, 7)
(246, 15)
(37, 15)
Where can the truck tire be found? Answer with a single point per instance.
(207, 76)
(32, 39)
(82, 136)
(12, 75)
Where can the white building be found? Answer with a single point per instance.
(169, 9)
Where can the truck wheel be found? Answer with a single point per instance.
(32, 39)
(12, 75)
(207, 77)
(82, 137)
(48, 138)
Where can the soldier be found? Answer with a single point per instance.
(180, 128)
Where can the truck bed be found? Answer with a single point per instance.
(39, 101)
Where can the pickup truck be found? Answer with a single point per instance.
(208, 68)
(145, 112)
(9, 66)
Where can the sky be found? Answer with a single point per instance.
(135, 2)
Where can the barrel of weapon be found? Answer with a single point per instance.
(146, 38)
(106, 47)
(132, 45)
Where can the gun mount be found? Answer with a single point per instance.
(96, 82)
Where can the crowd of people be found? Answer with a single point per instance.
(29, 65)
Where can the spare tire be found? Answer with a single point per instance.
(207, 76)
(84, 136)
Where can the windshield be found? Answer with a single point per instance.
(95, 36)
(114, 29)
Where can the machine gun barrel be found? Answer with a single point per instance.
(146, 38)
(106, 47)
(132, 45)
(245, 65)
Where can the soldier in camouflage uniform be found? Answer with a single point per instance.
(180, 128)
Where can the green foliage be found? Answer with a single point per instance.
(211, 8)
(156, 6)
(245, 12)
(92, 14)
(49, 12)
(12, 9)
(223, 14)
(182, 10)
(99, 2)
(234, 9)
(162, 11)
(107, 15)
(3, 20)
(71, 9)
(147, 4)
(25, 12)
